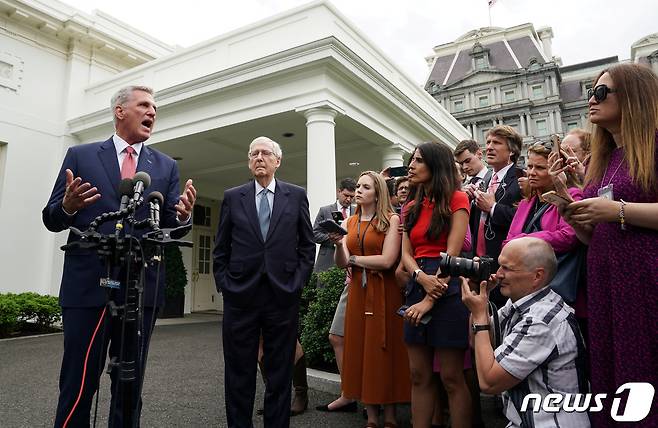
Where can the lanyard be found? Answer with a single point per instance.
(360, 240)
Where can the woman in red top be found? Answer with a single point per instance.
(435, 221)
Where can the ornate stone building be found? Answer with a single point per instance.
(492, 76)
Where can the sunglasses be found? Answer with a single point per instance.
(599, 92)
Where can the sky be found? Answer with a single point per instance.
(406, 31)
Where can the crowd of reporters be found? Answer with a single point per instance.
(564, 240)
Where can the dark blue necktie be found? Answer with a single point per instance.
(264, 213)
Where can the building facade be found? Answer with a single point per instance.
(306, 77)
(493, 76)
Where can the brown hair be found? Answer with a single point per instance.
(470, 145)
(637, 94)
(513, 138)
(383, 207)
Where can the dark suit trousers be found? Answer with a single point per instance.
(79, 326)
(241, 330)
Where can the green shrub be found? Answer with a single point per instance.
(317, 311)
(175, 272)
(28, 311)
(9, 312)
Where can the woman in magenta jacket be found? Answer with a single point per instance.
(554, 229)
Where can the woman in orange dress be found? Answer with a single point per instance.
(375, 362)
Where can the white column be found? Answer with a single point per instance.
(558, 120)
(556, 91)
(320, 157)
(524, 90)
(549, 87)
(524, 130)
(475, 131)
(392, 157)
(467, 101)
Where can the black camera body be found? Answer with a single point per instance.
(477, 270)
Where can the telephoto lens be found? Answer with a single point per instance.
(477, 270)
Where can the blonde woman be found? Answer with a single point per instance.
(375, 369)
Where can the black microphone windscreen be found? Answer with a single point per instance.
(126, 187)
(143, 177)
(155, 195)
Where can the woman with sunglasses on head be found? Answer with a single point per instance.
(618, 219)
(375, 369)
(436, 221)
(538, 218)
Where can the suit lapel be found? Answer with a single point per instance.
(108, 157)
(249, 204)
(281, 195)
(145, 160)
(509, 175)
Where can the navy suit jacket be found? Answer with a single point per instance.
(241, 257)
(507, 196)
(97, 164)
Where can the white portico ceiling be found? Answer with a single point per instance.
(215, 97)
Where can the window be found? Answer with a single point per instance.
(542, 128)
(483, 100)
(509, 96)
(572, 125)
(537, 91)
(204, 254)
(201, 216)
(458, 105)
(480, 63)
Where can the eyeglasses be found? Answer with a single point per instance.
(599, 92)
(264, 153)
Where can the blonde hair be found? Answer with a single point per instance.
(540, 148)
(383, 207)
(637, 93)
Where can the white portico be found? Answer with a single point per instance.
(306, 78)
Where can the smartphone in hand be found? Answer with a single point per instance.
(554, 199)
(337, 216)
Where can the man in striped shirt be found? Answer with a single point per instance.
(542, 351)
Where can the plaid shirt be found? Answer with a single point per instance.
(543, 347)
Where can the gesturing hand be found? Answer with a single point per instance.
(76, 195)
(186, 202)
(591, 211)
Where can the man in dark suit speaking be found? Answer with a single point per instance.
(263, 257)
(87, 186)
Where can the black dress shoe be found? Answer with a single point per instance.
(346, 408)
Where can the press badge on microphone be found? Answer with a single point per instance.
(110, 283)
(606, 192)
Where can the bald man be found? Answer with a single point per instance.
(542, 350)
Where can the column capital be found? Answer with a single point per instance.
(325, 108)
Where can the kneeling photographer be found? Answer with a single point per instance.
(541, 349)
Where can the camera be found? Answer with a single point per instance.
(477, 270)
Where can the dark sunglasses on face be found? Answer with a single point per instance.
(600, 92)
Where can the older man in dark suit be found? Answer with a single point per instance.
(263, 257)
(87, 186)
(497, 205)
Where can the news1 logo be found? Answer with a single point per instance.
(639, 396)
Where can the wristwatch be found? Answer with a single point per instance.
(416, 273)
(352, 260)
(480, 327)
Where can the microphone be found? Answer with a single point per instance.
(155, 200)
(141, 181)
(126, 192)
